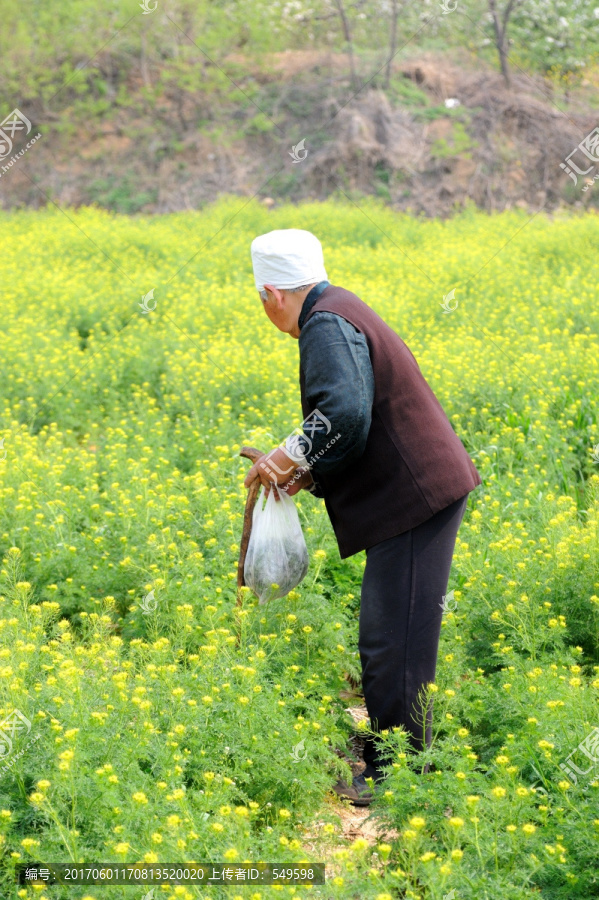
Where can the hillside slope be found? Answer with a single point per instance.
(491, 146)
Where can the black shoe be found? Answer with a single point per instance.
(358, 792)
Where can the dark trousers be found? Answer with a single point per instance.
(401, 609)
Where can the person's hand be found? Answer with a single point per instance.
(300, 481)
(275, 467)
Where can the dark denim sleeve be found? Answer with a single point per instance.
(339, 383)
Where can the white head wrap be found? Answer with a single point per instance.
(287, 258)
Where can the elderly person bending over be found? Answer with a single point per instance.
(395, 482)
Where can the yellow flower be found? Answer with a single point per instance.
(456, 822)
(529, 829)
(359, 844)
(384, 850)
(498, 792)
(29, 843)
(457, 853)
(417, 822)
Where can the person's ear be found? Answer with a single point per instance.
(278, 295)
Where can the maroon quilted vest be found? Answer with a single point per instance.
(414, 464)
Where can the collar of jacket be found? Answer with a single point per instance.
(310, 300)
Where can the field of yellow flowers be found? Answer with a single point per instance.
(157, 721)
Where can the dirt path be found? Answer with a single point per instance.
(354, 821)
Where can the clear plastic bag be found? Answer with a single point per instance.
(277, 552)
